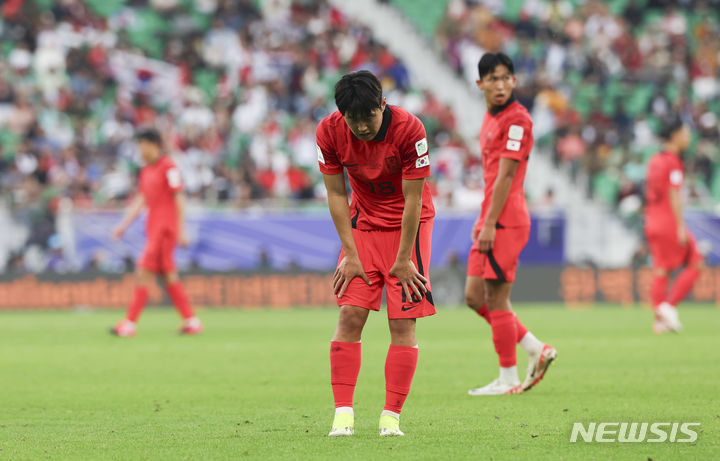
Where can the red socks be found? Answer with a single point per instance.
(399, 370)
(484, 312)
(344, 369)
(683, 284)
(180, 299)
(658, 290)
(140, 298)
(521, 330)
(504, 328)
(345, 365)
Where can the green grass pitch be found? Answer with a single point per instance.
(255, 385)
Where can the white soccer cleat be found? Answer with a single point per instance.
(538, 365)
(124, 328)
(390, 426)
(343, 425)
(498, 387)
(668, 315)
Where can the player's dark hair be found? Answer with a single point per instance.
(149, 134)
(669, 125)
(489, 61)
(358, 94)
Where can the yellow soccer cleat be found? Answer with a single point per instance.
(343, 425)
(389, 426)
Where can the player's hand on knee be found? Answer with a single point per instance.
(410, 278)
(486, 238)
(348, 269)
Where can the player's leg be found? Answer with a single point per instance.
(475, 299)
(345, 359)
(400, 366)
(504, 331)
(176, 291)
(667, 255)
(402, 355)
(684, 282)
(475, 294)
(148, 265)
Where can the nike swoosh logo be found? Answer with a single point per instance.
(403, 308)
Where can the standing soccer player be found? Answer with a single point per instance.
(160, 187)
(672, 245)
(385, 234)
(503, 228)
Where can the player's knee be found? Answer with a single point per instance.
(474, 301)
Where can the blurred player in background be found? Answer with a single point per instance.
(385, 233)
(160, 189)
(672, 245)
(503, 228)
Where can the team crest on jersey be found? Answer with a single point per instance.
(321, 159)
(393, 164)
(513, 145)
(421, 147)
(516, 132)
(422, 161)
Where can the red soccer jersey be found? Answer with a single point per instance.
(376, 168)
(664, 172)
(506, 133)
(158, 184)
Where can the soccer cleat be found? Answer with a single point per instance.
(497, 387)
(538, 365)
(668, 315)
(191, 326)
(124, 328)
(343, 425)
(390, 426)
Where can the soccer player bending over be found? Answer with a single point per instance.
(672, 245)
(385, 234)
(160, 187)
(503, 228)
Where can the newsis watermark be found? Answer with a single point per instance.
(629, 432)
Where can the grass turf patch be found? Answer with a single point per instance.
(256, 385)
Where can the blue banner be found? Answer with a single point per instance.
(281, 240)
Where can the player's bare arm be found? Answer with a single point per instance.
(501, 189)
(131, 214)
(676, 202)
(403, 268)
(182, 232)
(350, 266)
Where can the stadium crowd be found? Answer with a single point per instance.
(599, 76)
(237, 90)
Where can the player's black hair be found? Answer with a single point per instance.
(669, 125)
(149, 134)
(358, 94)
(489, 61)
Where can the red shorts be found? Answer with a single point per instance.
(158, 254)
(377, 250)
(667, 252)
(501, 262)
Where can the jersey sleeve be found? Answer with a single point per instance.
(173, 177)
(414, 151)
(328, 160)
(675, 176)
(517, 139)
